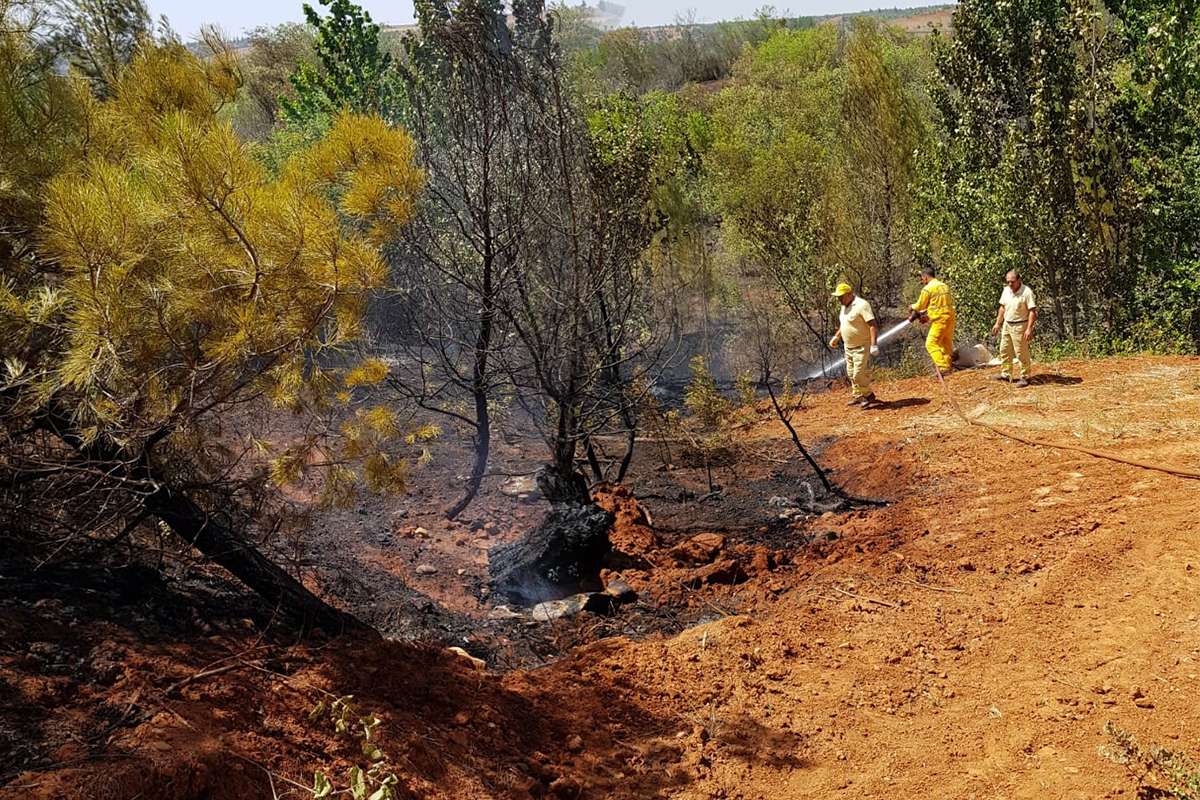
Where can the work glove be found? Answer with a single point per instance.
(874, 349)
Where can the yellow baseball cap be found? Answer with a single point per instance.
(842, 289)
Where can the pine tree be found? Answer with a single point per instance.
(179, 294)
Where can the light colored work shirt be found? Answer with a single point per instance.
(935, 300)
(856, 320)
(1018, 304)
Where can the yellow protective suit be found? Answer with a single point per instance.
(936, 301)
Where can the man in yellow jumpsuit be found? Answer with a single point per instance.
(937, 305)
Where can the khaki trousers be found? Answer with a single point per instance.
(1013, 345)
(858, 369)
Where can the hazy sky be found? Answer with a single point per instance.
(235, 16)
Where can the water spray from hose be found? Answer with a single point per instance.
(841, 362)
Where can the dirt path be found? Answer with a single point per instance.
(1011, 602)
(969, 640)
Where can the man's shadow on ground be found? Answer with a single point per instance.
(1050, 379)
(892, 405)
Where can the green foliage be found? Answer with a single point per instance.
(1159, 103)
(1067, 149)
(1012, 108)
(638, 61)
(883, 125)
(377, 780)
(811, 161)
(286, 141)
(271, 57)
(671, 137)
(1177, 774)
(355, 74)
(702, 397)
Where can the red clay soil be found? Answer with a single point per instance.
(969, 640)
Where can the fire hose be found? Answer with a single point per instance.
(1170, 470)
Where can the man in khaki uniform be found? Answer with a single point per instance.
(857, 332)
(1014, 323)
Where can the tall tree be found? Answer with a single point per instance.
(1157, 100)
(176, 293)
(580, 305)
(471, 92)
(774, 135)
(882, 127)
(1008, 91)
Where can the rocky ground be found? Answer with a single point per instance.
(971, 639)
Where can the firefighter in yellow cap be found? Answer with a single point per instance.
(936, 306)
(857, 332)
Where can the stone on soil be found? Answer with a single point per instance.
(595, 602)
(620, 591)
(522, 485)
(476, 663)
(503, 612)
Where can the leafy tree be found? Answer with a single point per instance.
(1016, 134)
(1158, 107)
(682, 263)
(771, 157)
(355, 73)
(883, 125)
(176, 295)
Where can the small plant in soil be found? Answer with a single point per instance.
(1177, 775)
(711, 443)
(376, 781)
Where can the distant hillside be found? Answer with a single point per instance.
(921, 20)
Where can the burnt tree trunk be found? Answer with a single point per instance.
(233, 552)
(560, 484)
(480, 386)
(560, 557)
(207, 534)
